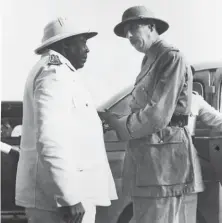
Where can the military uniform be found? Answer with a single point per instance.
(58, 164)
(161, 168)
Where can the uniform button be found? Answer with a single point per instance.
(80, 170)
(86, 105)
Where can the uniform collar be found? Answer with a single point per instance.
(61, 58)
(150, 57)
(153, 49)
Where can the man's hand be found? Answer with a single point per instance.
(110, 118)
(73, 214)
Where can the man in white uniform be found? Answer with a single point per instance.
(63, 171)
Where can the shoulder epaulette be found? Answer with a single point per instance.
(144, 60)
(54, 60)
(168, 47)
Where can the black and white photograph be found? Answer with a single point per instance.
(111, 111)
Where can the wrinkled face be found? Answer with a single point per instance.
(139, 35)
(76, 51)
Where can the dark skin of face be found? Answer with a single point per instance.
(76, 50)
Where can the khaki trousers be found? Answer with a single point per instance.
(35, 215)
(181, 209)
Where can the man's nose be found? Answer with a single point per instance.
(87, 49)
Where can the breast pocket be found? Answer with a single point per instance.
(165, 163)
(80, 98)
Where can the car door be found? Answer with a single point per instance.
(204, 85)
(215, 146)
(208, 144)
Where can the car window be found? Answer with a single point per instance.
(11, 130)
(198, 87)
(11, 122)
(10, 127)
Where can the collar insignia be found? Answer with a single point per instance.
(54, 60)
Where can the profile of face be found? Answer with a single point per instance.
(139, 35)
(76, 50)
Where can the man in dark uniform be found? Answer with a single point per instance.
(161, 168)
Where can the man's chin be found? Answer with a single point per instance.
(138, 49)
(82, 65)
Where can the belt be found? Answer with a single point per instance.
(179, 120)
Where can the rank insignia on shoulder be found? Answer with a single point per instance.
(54, 60)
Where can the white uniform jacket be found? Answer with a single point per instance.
(63, 159)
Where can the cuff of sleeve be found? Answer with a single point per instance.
(123, 130)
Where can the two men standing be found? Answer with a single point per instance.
(63, 164)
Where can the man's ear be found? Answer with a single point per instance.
(152, 27)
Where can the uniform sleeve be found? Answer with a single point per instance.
(5, 148)
(53, 101)
(157, 114)
(209, 115)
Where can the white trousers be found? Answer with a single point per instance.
(35, 215)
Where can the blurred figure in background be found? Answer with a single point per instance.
(6, 129)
